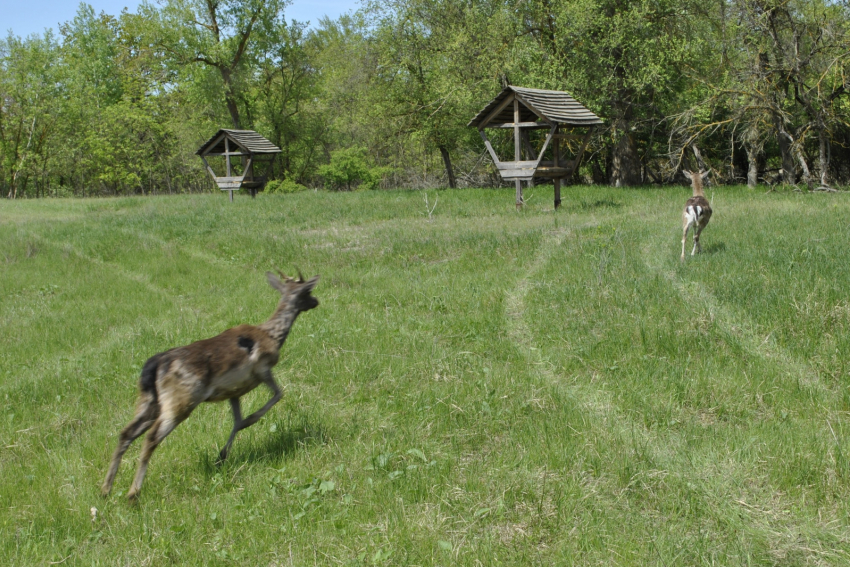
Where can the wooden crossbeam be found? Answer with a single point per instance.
(581, 151)
(530, 107)
(489, 147)
(508, 99)
(521, 125)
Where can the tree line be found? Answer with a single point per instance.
(755, 90)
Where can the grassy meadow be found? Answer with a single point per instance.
(477, 387)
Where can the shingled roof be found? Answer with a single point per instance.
(535, 104)
(248, 140)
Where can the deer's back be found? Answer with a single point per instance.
(219, 368)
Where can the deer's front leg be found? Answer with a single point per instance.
(255, 417)
(237, 425)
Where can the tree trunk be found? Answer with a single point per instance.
(823, 154)
(447, 160)
(599, 177)
(625, 163)
(752, 166)
(230, 98)
(785, 142)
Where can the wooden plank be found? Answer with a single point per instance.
(552, 171)
(533, 125)
(489, 147)
(248, 171)
(208, 167)
(546, 144)
(530, 107)
(517, 173)
(217, 140)
(517, 150)
(518, 164)
(581, 151)
(508, 99)
(227, 156)
(556, 149)
(230, 154)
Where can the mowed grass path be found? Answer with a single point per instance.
(482, 387)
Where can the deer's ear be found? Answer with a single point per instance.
(705, 175)
(687, 174)
(310, 284)
(275, 282)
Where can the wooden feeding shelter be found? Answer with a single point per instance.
(250, 171)
(525, 110)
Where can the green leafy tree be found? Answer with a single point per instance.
(30, 90)
(216, 34)
(350, 168)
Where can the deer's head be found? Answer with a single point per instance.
(696, 179)
(295, 292)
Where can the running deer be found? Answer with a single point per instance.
(697, 211)
(226, 367)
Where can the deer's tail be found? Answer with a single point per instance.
(147, 381)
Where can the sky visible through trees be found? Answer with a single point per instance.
(116, 103)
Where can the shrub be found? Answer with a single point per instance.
(350, 168)
(284, 186)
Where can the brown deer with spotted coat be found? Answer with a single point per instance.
(173, 383)
(697, 211)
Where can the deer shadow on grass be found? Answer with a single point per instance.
(714, 248)
(599, 204)
(273, 447)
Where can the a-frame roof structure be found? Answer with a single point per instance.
(524, 110)
(247, 140)
(536, 105)
(254, 154)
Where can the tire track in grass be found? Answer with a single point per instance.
(665, 451)
(117, 269)
(594, 400)
(735, 324)
(191, 251)
(117, 335)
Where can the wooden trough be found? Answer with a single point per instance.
(255, 154)
(523, 110)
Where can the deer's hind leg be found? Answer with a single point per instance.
(147, 410)
(177, 403)
(697, 231)
(160, 429)
(686, 225)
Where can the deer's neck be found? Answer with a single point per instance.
(280, 322)
(698, 190)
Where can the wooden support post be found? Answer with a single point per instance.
(519, 201)
(556, 156)
(231, 195)
(517, 153)
(227, 159)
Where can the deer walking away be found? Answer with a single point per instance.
(173, 383)
(697, 211)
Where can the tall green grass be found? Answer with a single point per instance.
(479, 386)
